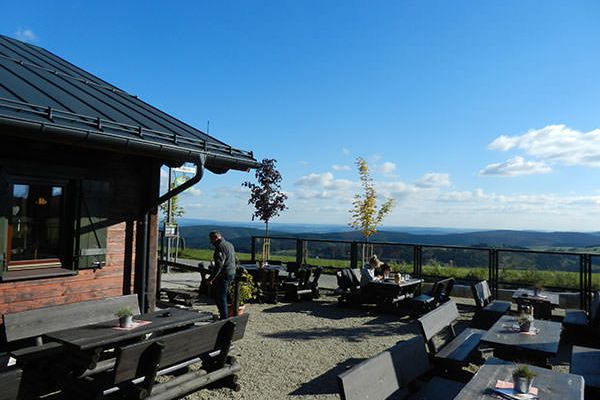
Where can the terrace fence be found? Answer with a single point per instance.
(504, 268)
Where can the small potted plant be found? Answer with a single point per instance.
(247, 291)
(523, 379)
(537, 287)
(524, 322)
(125, 315)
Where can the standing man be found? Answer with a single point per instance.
(224, 270)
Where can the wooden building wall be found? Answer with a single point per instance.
(86, 285)
(134, 185)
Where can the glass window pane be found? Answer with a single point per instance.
(37, 214)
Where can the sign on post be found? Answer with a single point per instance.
(171, 230)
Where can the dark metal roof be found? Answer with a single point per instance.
(47, 98)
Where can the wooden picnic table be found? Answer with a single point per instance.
(106, 334)
(542, 296)
(387, 292)
(550, 384)
(517, 345)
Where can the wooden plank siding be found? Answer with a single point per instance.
(86, 285)
(134, 184)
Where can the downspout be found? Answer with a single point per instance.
(188, 184)
(145, 256)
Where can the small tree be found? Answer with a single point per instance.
(267, 197)
(365, 215)
(177, 210)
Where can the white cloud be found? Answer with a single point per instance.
(434, 179)
(346, 151)
(193, 192)
(26, 35)
(336, 167)
(387, 168)
(315, 179)
(555, 143)
(516, 166)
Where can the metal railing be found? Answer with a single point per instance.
(490, 262)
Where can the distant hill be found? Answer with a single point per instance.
(197, 237)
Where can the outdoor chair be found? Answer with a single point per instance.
(578, 321)
(455, 350)
(541, 309)
(440, 293)
(348, 287)
(585, 361)
(292, 270)
(268, 281)
(401, 372)
(300, 288)
(314, 285)
(488, 309)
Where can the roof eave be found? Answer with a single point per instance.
(215, 161)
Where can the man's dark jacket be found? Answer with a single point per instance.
(224, 258)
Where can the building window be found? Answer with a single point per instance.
(36, 230)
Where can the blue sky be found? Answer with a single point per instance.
(470, 114)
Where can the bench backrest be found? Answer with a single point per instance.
(346, 279)
(32, 323)
(316, 276)
(304, 277)
(595, 310)
(177, 347)
(355, 272)
(386, 375)
(441, 290)
(481, 294)
(437, 320)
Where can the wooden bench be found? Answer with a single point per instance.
(23, 331)
(396, 374)
(456, 349)
(136, 365)
(302, 287)
(178, 296)
(440, 293)
(585, 361)
(488, 309)
(580, 322)
(32, 324)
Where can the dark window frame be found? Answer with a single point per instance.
(64, 260)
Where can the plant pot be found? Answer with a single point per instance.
(525, 327)
(126, 321)
(233, 314)
(522, 384)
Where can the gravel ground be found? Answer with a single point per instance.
(297, 350)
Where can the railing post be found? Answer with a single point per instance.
(493, 262)
(585, 282)
(300, 251)
(418, 261)
(253, 249)
(353, 254)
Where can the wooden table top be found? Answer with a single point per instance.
(254, 267)
(553, 298)
(104, 335)
(391, 282)
(551, 384)
(545, 341)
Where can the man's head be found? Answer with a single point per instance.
(214, 237)
(374, 262)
